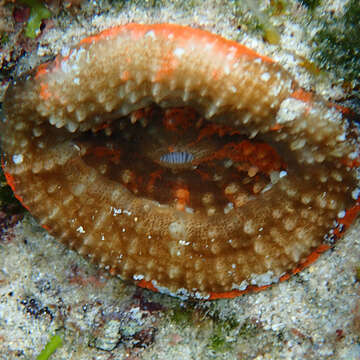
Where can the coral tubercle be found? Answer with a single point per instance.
(180, 160)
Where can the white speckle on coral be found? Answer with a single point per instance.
(138, 277)
(151, 34)
(18, 159)
(189, 210)
(65, 51)
(353, 155)
(265, 76)
(179, 52)
(185, 243)
(264, 279)
(355, 194)
(81, 230)
(290, 109)
(244, 284)
(117, 211)
(229, 206)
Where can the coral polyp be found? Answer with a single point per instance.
(180, 160)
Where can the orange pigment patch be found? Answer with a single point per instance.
(168, 65)
(11, 182)
(42, 70)
(215, 75)
(351, 163)
(125, 76)
(153, 177)
(347, 220)
(147, 285)
(101, 152)
(261, 155)
(276, 127)
(136, 31)
(179, 119)
(302, 95)
(215, 129)
(102, 126)
(204, 175)
(235, 293)
(171, 148)
(48, 67)
(45, 94)
(307, 97)
(182, 196)
(343, 109)
(183, 34)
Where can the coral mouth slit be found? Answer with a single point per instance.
(180, 160)
(217, 167)
(177, 157)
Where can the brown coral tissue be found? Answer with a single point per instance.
(180, 160)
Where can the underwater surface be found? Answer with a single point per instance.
(52, 299)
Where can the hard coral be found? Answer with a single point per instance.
(181, 160)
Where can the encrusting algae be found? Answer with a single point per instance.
(181, 160)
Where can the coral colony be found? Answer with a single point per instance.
(180, 160)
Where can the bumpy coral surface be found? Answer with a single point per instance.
(181, 160)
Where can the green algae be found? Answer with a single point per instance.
(38, 13)
(337, 44)
(222, 332)
(4, 38)
(248, 330)
(54, 343)
(181, 316)
(222, 338)
(218, 343)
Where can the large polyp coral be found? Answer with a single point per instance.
(179, 159)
